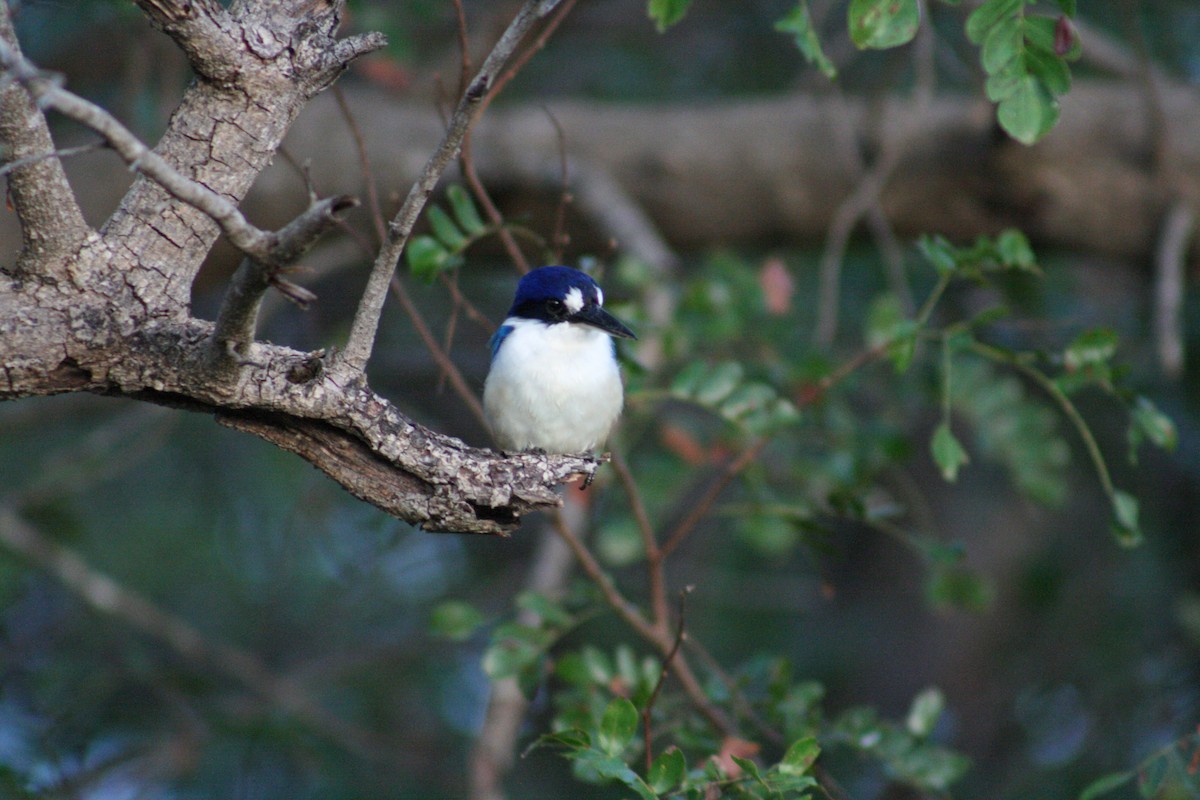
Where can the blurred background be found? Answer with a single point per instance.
(716, 184)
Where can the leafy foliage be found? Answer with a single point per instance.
(431, 254)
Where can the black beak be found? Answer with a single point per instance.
(597, 317)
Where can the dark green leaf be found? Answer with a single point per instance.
(617, 726)
(948, 454)
(881, 24)
(465, 211)
(666, 13)
(798, 23)
(1067, 6)
(455, 620)
(667, 771)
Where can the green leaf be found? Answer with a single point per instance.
(1125, 511)
(880, 24)
(1029, 112)
(1067, 6)
(1092, 348)
(1004, 82)
(612, 768)
(550, 611)
(445, 229)
(667, 771)
(455, 620)
(465, 211)
(1048, 68)
(685, 383)
(948, 454)
(888, 325)
(719, 383)
(426, 257)
(1153, 424)
(939, 252)
(984, 18)
(514, 648)
(800, 756)
(1002, 44)
(747, 398)
(666, 13)
(617, 726)
(798, 23)
(924, 713)
(1106, 784)
(1014, 250)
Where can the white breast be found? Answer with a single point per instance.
(552, 387)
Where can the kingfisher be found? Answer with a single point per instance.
(554, 384)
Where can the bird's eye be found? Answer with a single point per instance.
(555, 306)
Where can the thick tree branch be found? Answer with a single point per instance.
(52, 226)
(366, 321)
(247, 238)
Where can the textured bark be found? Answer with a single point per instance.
(108, 312)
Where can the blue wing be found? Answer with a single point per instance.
(498, 338)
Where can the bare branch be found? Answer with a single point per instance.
(104, 594)
(1169, 276)
(247, 238)
(52, 225)
(201, 28)
(366, 320)
(237, 319)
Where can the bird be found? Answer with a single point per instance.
(554, 385)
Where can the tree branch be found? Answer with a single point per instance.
(366, 321)
(104, 594)
(244, 236)
(238, 316)
(52, 226)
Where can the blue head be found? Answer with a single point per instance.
(557, 295)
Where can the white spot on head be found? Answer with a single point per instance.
(599, 297)
(574, 300)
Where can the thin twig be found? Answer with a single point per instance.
(701, 508)
(627, 610)
(364, 165)
(662, 677)
(66, 152)
(559, 238)
(444, 362)
(656, 583)
(366, 320)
